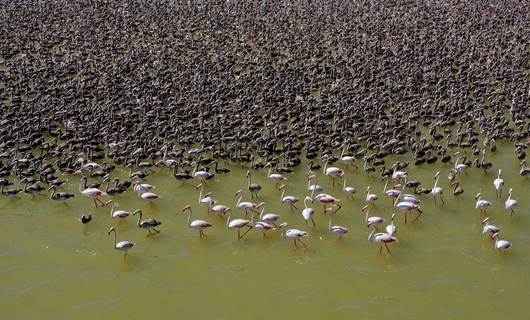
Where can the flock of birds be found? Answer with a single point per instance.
(91, 86)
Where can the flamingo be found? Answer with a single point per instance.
(119, 214)
(268, 217)
(371, 221)
(200, 175)
(93, 193)
(348, 160)
(207, 201)
(350, 191)
(382, 239)
(498, 184)
(407, 206)
(398, 175)
(391, 228)
(489, 229)
(326, 199)
(370, 197)
(276, 177)
(332, 172)
(254, 188)
(238, 224)
(245, 205)
(368, 170)
(392, 193)
(290, 200)
(200, 225)
(501, 245)
(313, 187)
(149, 224)
(296, 235)
(338, 230)
(459, 167)
(122, 245)
(219, 209)
(142, 187)
(481, 204)
(262, 225)
(149, 196)
(437, 191)
(308, 213)
(510, 203)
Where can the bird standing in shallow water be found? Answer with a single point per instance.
(149, 224)
(124, 246)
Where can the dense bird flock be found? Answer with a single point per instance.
(88, 85)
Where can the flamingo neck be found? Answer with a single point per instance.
(189, 217)
(114, 245)
(269, 173)
(228, 218)
(261, 213)
(139, 217)
(281, 197)
(239, 201)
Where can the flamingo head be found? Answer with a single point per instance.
(238, 192)
(281, 187)
(226, 210)
(111, 230)
(477, 196)
(364, 208)
(198, 186)
(186, 207)
(137, 211)
(485, 220)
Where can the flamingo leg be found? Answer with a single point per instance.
(380, 249)
(441, 198)
(387, 249)
(303, 243)
(296, 245)
(293, 206)
(313, 220)
(157, 231)
(406, 212)
(434, 199)
(306, 223)
(250, 227)
(338, 208)
(419, 214)
(238, 235)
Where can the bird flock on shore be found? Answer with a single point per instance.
(91, 86)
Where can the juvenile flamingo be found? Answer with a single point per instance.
(296, 235)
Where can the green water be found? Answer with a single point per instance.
(53, 267)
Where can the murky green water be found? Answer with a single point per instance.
(443, 268)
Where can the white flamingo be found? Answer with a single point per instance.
(372, 221)
(238, 224)
(150, 196)
(268, 217)
(122, 245)
(501, 245)
(498, 183)
(350, 191)
(142, 187)
(481, 204)
(296, 235)
(382, 239)
(326, 199)
(245, 205)
(93, 193)
(119, 214)
(207, 201)
(276, 177)
(392, 193)
(338, 230)
(459, 167)
(200, 225)
(308, 213)
(489, 229)
(370, 197)
(313, 187)
(391, 228)
(437, 191)
(290, 200)
(332, 172)
(510, 203)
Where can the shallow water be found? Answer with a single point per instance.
(443, 268)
